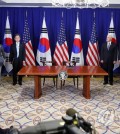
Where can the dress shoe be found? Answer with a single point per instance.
(20, 83)
(14, 83)
(105, 83)
(111, 83)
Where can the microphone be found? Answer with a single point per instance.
(73, 113)
(86, 126)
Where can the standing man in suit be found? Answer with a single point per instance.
(17, 58)
(108, 58)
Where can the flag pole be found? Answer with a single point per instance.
(44, 13)
(111, 14)
(7, 16)
(62, 14)
(94, 14)
(26, 14)
(7, 12)
(26, 18)
(77, 14)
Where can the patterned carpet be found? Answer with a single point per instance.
(18, 107)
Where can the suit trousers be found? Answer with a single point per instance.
(108, 67)
(17, 65)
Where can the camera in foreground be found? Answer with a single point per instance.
(72, 123)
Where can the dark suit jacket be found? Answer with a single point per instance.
(108, 56)
(13, 52)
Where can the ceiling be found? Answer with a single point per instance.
(113, 3)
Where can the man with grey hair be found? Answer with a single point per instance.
(108, 58)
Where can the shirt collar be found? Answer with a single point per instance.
(17, 43)
(109, 42)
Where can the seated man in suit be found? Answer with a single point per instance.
(17, 58)
(108, 58)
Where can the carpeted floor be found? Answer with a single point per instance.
(18, 107)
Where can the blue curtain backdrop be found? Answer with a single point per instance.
(53, 17)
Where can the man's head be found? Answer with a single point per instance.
(109, 38)
(17, 38)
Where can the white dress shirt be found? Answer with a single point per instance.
(17, 48)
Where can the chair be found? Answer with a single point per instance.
(45, 63)
(70, 64)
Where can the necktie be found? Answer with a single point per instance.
(108, 46)
(17, 49)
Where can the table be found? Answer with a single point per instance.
(39, 71)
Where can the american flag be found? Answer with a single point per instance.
(92, 57)
(29, 57)
(61, 50)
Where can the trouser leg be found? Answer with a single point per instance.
(110, 72)
(19, 79)
(20, 66)
(15, 68)
(0, 72)
(105, 67)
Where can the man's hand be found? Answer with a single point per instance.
(23, 63)
(101, 61)
(114, 62)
